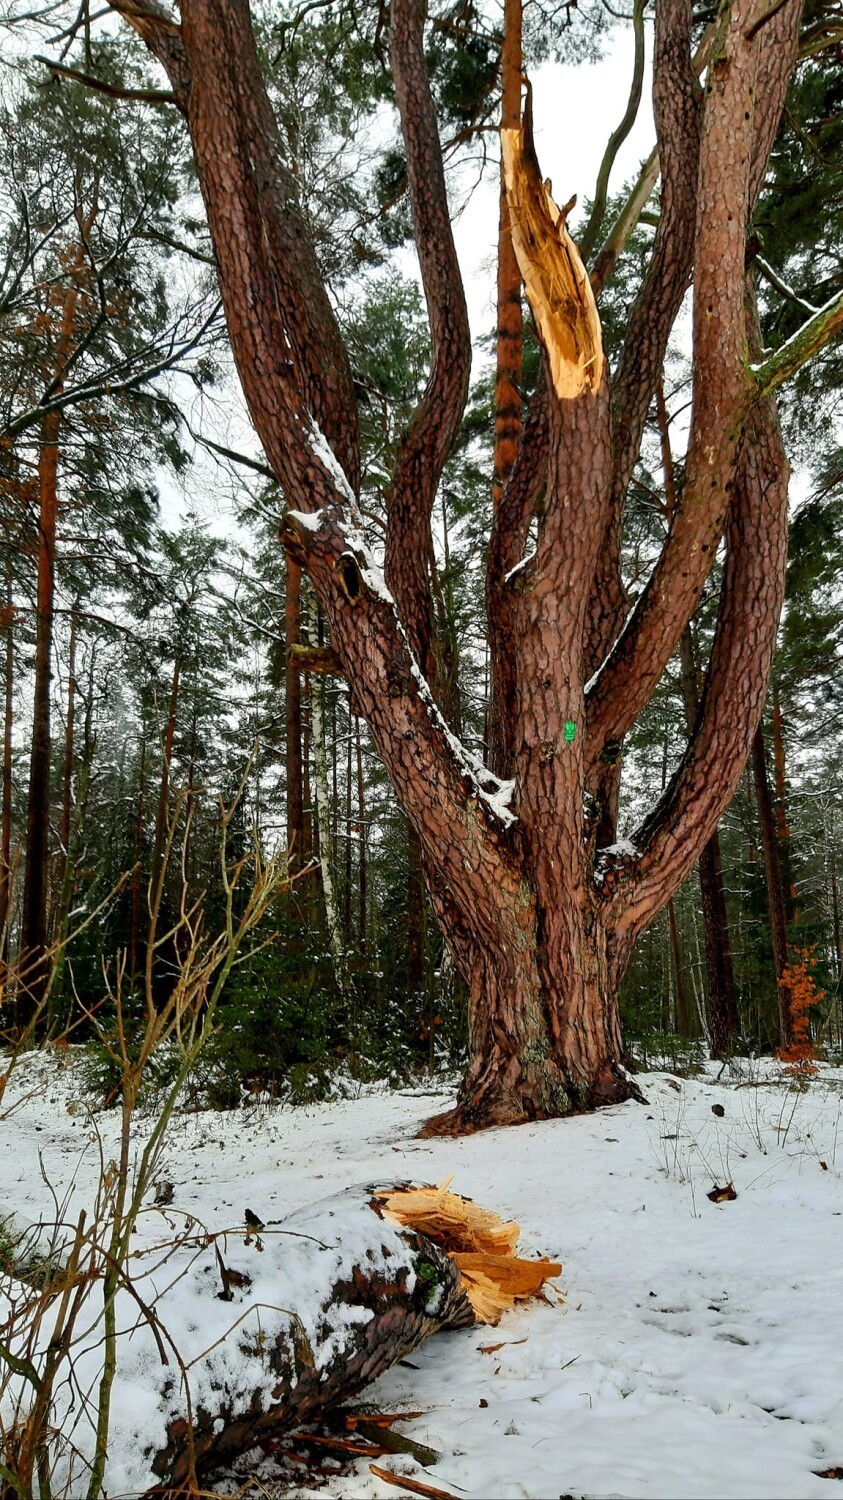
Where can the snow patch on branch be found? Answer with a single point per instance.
(610, 854)
(311, 520)
(513, 572)
(490, 789)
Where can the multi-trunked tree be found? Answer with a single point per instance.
(539, 903)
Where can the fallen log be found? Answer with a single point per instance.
(266, 1328)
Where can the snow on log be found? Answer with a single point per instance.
(267, 1327)
(555, 279)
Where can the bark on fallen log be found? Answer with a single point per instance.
(361, 1293)
(232, 1336)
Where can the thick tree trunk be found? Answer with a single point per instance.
(544, 1034)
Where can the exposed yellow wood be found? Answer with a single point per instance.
(481, 1244)
(554, 276)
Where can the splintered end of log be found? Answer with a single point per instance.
(480, 1243)
(555, 279)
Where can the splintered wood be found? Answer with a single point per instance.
(555, 279)
(478, 1241)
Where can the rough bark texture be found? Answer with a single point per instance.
(430, 437)
(540, 916)
(397, 1289)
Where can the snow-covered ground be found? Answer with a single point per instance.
(696, 1349)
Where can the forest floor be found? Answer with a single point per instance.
(693, 1348)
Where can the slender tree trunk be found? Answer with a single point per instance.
(361, 834)
(782, 825)
(65, 863)
(774, 883)
(34, 964)
(838, 938)
(323, 811)
(415, 914)
(683, 1015)
(347, 884)
(509, 340)
(723, 1021)
(295, 784)
(309, 833)
(159, 847)
(137, 872)
(509, 361)
(6, 797)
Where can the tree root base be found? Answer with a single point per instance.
(493, 1107)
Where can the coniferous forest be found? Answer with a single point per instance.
(390, 702)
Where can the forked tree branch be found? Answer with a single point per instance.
(297, 303)
(632, 210)
(677, 101)
(433, 429)
(735, 687)
(161, 32)
(113, 91)
(447, 798)
(735, 120)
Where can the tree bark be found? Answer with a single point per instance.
(774, 884)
